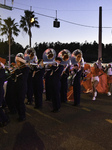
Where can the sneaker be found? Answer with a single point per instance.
(109, 94)
(87, 91)
(94, 98)
(95, 94)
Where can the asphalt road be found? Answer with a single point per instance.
(88, 127)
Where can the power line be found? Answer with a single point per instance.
(61, 9)
(64, 20)
(78, 24)
(82, 25)
(61, 19)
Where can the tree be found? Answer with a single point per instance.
(27, 22)
(0, 21)
(9, 28)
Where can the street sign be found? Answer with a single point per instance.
(5, 7)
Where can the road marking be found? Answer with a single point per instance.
(45, 115)
(28, 114)
(109, 120)
(48, 116)
(42, 132)
(86, 109)
(5, 131)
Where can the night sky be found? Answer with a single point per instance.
(79, 20)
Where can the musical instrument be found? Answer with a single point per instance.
(49, 56)
(29, 51)
(65, 55)
(76, 57)
(30, 55)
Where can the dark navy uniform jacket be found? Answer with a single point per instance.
(38, 77)
(56, 73)
(64, 85)
(2, 79)
(77, 87)
(21, 79)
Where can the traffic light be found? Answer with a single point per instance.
(5, 7)
(56, 23)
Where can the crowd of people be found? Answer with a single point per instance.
(30, 76)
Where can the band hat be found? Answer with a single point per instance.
(20, 59)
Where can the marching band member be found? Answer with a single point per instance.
(30, 57)
(76, 84)
(21, 85)
(65, 56)
(3, 117)
(38, 74)
(78, 69)
(109, 79)
(56, 84)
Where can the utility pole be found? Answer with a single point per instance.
(4, 2)
(100, 34)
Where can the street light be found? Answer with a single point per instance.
(32, 20)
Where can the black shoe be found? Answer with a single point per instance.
(28, 103)
(37, 107)
(13, 112)
(1, 124)
(21, 119)
(55, 110)
(6, 122)
(47, 100)
(65, 102)
(77, 105)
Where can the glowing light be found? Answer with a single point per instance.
(32, 20)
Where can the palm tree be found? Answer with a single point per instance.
(9, 28)
(0, 21)
(27, 22)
